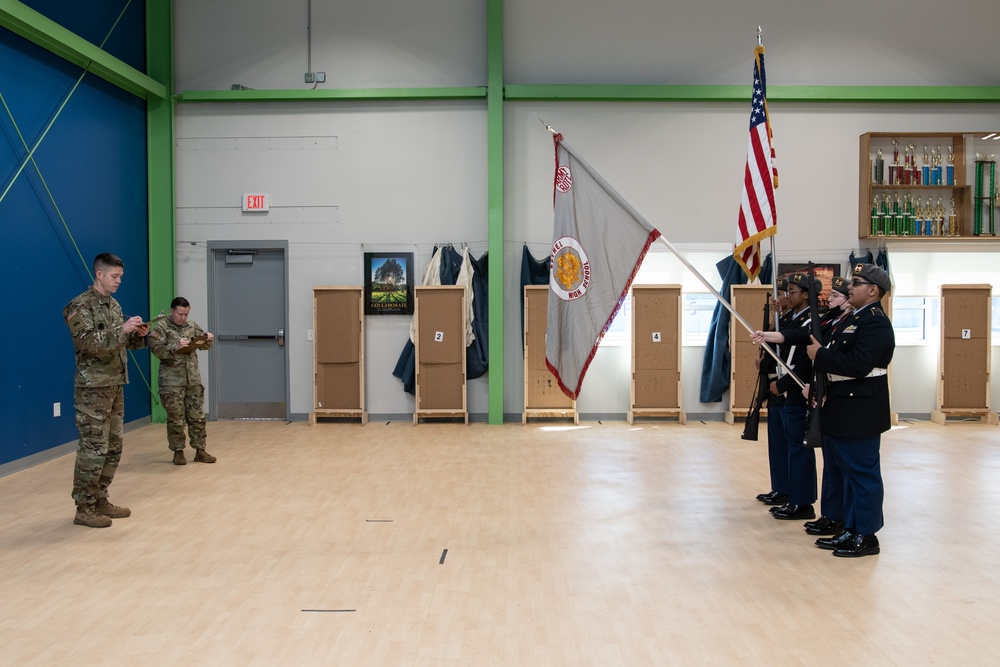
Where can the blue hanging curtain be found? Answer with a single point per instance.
(766, 270)
(881, 260)
(533, 272)
(859, 259)
(716, 365)
(477, 354)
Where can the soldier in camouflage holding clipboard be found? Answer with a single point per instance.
(175, 341)
(101, 336)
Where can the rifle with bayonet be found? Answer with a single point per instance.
(817, 388)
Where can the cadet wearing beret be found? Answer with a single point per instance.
(856, 411)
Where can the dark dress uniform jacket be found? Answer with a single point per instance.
(859, 407)
(796, 332)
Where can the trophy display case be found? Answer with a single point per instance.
(928, 185)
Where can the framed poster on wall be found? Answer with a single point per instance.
(388, 283)
(825, 272)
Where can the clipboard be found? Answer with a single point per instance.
(195, 344)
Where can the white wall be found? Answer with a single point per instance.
(352, 177)
(344, 179)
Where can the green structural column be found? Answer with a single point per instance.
(494, 113)
(160, 156)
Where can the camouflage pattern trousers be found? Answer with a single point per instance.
(100, 418)
(184, 405)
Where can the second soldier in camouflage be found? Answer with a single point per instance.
(175, 341)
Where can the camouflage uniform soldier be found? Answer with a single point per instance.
(101, 335)
(175, 341)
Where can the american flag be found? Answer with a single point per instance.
(757, 216)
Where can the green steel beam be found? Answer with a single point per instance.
(160, 172)
(494, 203)
(51, 36)
(327, 94)
(638, 93)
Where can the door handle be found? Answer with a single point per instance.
(281, 337)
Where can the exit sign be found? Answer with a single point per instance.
(256, 202)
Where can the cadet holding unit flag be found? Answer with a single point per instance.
(101, 335)
(856, 411)
(175, 341)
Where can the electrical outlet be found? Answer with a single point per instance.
(320, 77)
(310, 77)
(56, 409)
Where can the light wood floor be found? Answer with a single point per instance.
(599, 545)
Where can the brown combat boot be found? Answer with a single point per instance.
(201, 456)
(179, 459)
(86, 515)
(105, 507)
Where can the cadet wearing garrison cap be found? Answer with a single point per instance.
(831, 520)
(801, 460)
(856, 411)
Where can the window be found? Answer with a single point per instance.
(914, 317)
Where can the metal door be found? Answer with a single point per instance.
(248, 296)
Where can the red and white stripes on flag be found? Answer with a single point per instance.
(757, 214)
(599, 242)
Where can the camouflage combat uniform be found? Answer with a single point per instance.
(181, 391)
(96, 324)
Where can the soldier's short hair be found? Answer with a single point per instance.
(106, 261)
(179, 301)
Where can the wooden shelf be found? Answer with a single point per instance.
(748, 301)
(338, 354)
(656, 353)
(440, 339)
(542, 396)
(964, 361)
(963, 147)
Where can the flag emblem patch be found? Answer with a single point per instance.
(570, 269)
(564, 179)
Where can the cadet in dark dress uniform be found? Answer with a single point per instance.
(777, 447)
(831, 520)
(801, 460)
(856, 411)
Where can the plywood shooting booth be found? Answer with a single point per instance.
(439, 324)
(656, 352)
(338, 353)
(542, 395)
(964, 362)
(749, 301)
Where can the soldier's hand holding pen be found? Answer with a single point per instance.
(136, 324)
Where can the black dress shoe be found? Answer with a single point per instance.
(762, 497)
(824, 526)
(772, 510)
(861, 545)
(840, 539)
(776, 499)
(795, 512)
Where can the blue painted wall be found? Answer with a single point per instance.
(93, 160)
